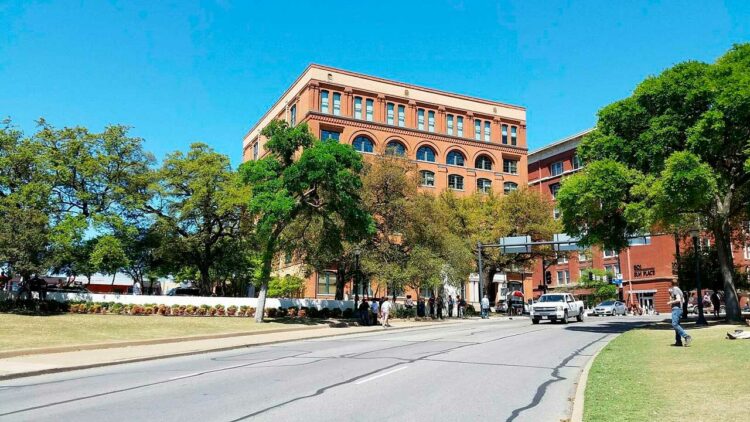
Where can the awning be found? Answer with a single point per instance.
(517, 294)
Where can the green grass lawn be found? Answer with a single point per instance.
(640, 377)
(26, 332)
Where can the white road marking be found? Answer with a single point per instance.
(380, 375)
(186, 376)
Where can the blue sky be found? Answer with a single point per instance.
(184, 71)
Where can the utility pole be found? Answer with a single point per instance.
(479, 264)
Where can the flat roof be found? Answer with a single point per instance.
(557, 147)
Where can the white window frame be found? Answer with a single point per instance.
(390, 113)
(487, 131)
(423, 177)
(420, 119)
(324, 101)
(369, 110)
(605, 253)
(477, 130)
(430, 121)
(401, 116)
(460, 126)
(336, 104)
(358, 108)
(449, 124)
(557, 168)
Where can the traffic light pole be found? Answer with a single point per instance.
(479, 264)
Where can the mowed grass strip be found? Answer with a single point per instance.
(640, 377)
(29, 332)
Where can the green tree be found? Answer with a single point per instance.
(108, 256)
(599, 287)
(303, 179)
(286, 286)
(198, 203)
(675, 151)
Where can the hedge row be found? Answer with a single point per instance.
(203, 310)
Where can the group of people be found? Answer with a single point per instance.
(24, 289)
(379, 310)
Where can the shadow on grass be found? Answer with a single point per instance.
(617, 327)
(333, 323)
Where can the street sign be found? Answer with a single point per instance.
(565, 247)
(515, 244)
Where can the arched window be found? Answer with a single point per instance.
(455, 158)
(455, 182)
(362, 144)
(483, 162)
(427, 178)
(425, 153)
(484, 185)
(509, 187)
(395, 148)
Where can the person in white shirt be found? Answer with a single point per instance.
(385, 310)
(485, 307)
(676, 297)
(137, 290)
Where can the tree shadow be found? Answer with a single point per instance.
(333, 323)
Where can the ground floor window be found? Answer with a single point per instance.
(327, 283)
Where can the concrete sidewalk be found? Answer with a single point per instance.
(37, 364)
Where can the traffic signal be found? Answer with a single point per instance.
(591, 276)
(609, 278)
(548, 277)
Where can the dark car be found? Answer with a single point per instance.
(184, 291)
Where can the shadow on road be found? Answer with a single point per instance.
(611, 327)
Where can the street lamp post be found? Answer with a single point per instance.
(356, 277)
(696, 251)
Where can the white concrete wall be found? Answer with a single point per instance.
(199, 300)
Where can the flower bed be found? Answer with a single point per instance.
(114, 308)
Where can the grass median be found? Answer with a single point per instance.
(27, 332)
(640, 377)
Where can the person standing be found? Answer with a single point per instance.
(432, 307)
(375, 308)
(485, 303)
(716, 303)
(676, 298)
(420, 307)
(385, 311)
(461, 307)
(440, 305)
(451, 303)
(364, 312)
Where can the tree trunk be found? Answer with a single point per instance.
(205, 279)
(721, 233)
(265, 275)
(680, 282)
(340, 282)
(489, 276)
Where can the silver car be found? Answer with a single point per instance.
(610, 307)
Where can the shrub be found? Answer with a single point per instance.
(148, 310)
(313, 312)
(348, 313)
(470, 311)
(302, 313)
(272, 312)
(211, 311)
(336, 313)
(281, 312)
(325, 313)
(232, 310)
(250, 312)
(243, 309)
(292, 312)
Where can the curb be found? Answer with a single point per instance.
(198, 352)
(579, 398)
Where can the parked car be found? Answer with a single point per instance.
(610, 307)
(184, 291)
(557, 306)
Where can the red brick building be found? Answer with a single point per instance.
(458, 142)
(647, 267)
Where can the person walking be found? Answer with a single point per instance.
(440, 305)
(385, 311)
(485, 307)
(716, 303)
(676, 298)
(451, 303)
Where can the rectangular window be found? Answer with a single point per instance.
(576, 162)
(505, 134)
(563, 278)
(556, 168)
(613, 269)
(329, 134)
(326, 283)
(556, 213)
(609, 253)
(554, 188)
(487, 131)
(428, 178)
(336, 104)
(401, 116)
(583, 256)
(357, 107)
(562, 259)
(255, 150)
(293, 115)
(510, 166)
(449, 124)
(369, 105)
(460, 126)
(420, 119)
(478, 130)
(431, 121)
(747, 251)
(513, 135)
(389, 113)
(324, 101)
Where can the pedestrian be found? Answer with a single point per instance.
(4, 281)
(420, 307)
(676, 297)
(440, 305)
(137, 288)
(432, 307)
(461, 307)
(485, 307)
(451, 303)
(716, 303)
(375, 308)
(385, 311)
(364, 313)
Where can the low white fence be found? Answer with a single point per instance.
(199, 300)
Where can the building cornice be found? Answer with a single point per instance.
(557, 147)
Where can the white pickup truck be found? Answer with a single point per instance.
(557, 306)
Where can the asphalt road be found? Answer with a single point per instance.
(488, 370)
